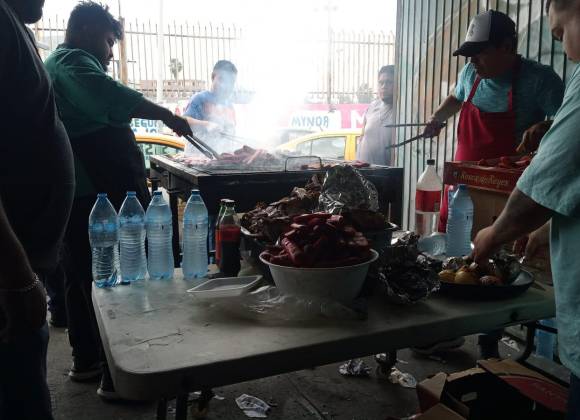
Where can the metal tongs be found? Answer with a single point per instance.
(412, 139)
(202, 146)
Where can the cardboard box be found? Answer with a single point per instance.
(489, 178)
(497, 389)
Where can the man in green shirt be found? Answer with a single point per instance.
(96, 111)
(549, 192)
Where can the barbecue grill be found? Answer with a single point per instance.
(250, 185)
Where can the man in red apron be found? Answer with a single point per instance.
(503, 99)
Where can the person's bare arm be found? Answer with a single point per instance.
(533, 136)
(449, 107)
(208, 125)
(521, 216)
(22, 297)
(148, 110)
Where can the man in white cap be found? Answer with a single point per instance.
(503, 100)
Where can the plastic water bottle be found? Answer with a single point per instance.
(159, 234)
(104, 240)
(132, 239)
(459, 223)
(545, 340)
(427, 200)
(195, 231)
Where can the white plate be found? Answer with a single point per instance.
(225, 287)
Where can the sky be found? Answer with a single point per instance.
(347, 14)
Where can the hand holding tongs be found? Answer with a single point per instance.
(201, 146)
(412, 139)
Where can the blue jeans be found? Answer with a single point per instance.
(574, 399)
(24, 392)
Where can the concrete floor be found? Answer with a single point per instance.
(320, 394)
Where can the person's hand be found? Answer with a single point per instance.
(533, 136)
(485, 245)
(22, 312)
(538, 239)
(433, 128)
(212, 127)
(179, 125)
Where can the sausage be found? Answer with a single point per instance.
(295, 253)
(305, 218)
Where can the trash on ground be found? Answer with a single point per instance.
(253, 407)
(510, 343)
(354, 367)
(406, 380)
(195, 396)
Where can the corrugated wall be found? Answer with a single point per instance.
(428, 31)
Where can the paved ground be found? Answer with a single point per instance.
(320, 394)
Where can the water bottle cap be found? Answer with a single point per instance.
(195, 191)
(461, 187)
(102, 195)
(131, 193)
(431, 162)
(157, 193)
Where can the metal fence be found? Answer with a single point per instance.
(428, 31)
(342, 66)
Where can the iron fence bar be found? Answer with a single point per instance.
(519, 8)
(426, 60)
(433, 78)
(412, 102)
(169, 92)
(541, 34)
(438, 98)
(529, 27)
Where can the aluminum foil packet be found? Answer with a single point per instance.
(345, 189)
(406, 274)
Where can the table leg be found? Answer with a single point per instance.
(386, 361)
(530, 335)
(154, 183)
(173, 196)
(181, 407)
(162, 409)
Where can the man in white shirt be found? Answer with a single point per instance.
(375, 136)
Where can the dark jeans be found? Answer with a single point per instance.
(54, 284)
(574, 399)
(24, 393)
(82, 325)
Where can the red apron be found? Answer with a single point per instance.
(482, 135)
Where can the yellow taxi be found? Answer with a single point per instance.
(158, 144)
(332, 144)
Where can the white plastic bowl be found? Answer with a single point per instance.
(339, 283)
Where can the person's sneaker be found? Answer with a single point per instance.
(81, 372)
(107, 390)
(439, 347)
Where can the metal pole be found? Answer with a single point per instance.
(160, 54)
(329, 62)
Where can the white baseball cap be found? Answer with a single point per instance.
(485, 29)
